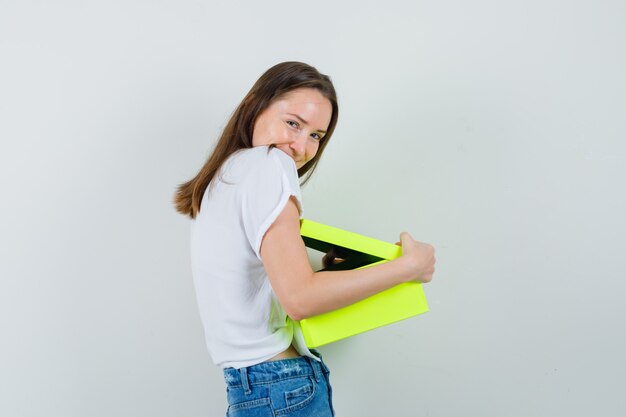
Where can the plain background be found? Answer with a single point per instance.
(494, 130)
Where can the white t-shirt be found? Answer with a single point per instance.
(243, 322)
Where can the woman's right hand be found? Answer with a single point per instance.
(419, 258)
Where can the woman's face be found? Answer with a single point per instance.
(295, 123)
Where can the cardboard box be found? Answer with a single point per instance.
(392, 305)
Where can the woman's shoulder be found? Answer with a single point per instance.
(262, 157)
(254, 164)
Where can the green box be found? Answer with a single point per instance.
(389, 306)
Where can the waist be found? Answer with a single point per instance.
(288, 353)
(275, 370)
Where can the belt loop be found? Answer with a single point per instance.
(243, 373)
(317, 372)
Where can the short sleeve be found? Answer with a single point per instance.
(272, 180)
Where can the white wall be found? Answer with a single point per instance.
(494, 130)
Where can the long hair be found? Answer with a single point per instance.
(237, 134)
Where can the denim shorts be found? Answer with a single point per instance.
(296, 387)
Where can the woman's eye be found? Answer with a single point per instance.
(292, 123)
(316, 136)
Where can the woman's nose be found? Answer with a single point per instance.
(298, 144)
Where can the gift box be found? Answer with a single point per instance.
(358, 251)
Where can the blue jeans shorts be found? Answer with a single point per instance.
(296, 387)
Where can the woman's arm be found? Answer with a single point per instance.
(304, 293)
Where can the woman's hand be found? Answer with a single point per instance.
(419, 257)
(333, 257)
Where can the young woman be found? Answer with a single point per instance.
(250, 267)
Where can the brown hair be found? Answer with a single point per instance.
(237, 134)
